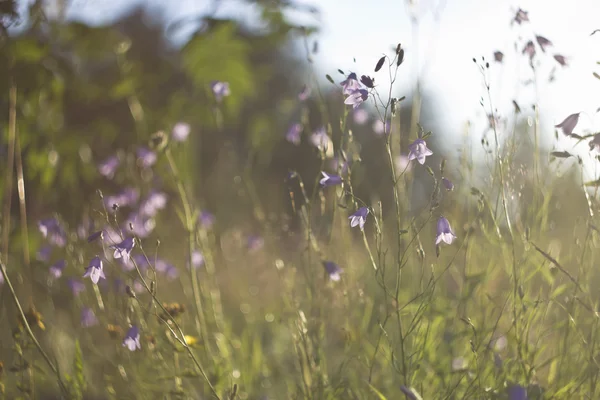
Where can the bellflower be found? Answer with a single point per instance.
(57, 268)
(569, 124)
(51, 230)
(76, 286)
(350, 84)
(197, 259)
(141, 225)
(356, 97)
(444, 232)
(333, 270)
(180, 132)
(206, 219)
(330, 180)
(529, 49)
(44, 253)
(448, 184)
(561, 60)
(146, 157)
(359, 218)
(418, 150)
(543, 42)
(360, 116)
(293, 134)
(123, 249)
(127, 197)
(498, 56)
(88, 318)
(108, 167)
(516, 392)
(220, 90)
(304, 93)
(132, 339)
(154, 202)
(95, 270)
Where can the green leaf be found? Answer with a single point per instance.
(561, 154)
(377, 392)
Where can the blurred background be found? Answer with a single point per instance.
(87, 85)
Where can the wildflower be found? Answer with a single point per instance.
(108, 167)
(321, 140)
(57, 268)
(356, 97)
(155, 201)
(595, 142)
(171, 272)
(498, 56)
(447, 184)
(76, 286)
(304, 93)
(127, 197)
(220, 90)
(255, 243)
(543, 42)
(146, 157)
(95, 235)
(206, 219)
(132, 339)
(94, 270)
(569, 124)
(197, 259)
(88, 318)
(516, 392)
(529, 49)
(408, 392)
(180, 132)
(561, 60)
(44, 253)
(330, 180)
(521, 16)
(333, 270)
(161, 266)
(123, 249)
(350, 84)
(368, 81)
(141, 225)
(359, 218)
(51, 230)
(444, 232)
(293, 134)
(360, 116)
(419, 151)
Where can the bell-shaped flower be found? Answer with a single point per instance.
(293, 134)
(123, 249)
(180, 132)
(444, 232)
(418, 150)
(132, 339)
(220, 90)
(95, 270)
(350, 84)
(569, 124)
(359, 218)
(333, 270)
(329, 180)
(356, 97)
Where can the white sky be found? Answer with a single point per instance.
(441, 50)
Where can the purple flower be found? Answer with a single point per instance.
(529, 49)
(498, 56)
(360, 116)
(444, 232)
(88, 318)
(356, 97)
(141, 225)
(57, 268)
(293, 134)
(161, 266)
(141, 261)
(543, 42)
(220, 90)
(333, 270)
(408, 392)
(206, 219)
(336, 163)
(448, 184)
(44, 253)
(180, 132)
(94, 270)
(108, 167)
(154, 202)
(145, 157)
(197, 259)
(51, 230)
(330, 180)
(516, 392)
(255, 242)
(172, 272)
(595, 142)
(132, 339)
(321, 140)
(95, 235)
(569, 124)
(127, 197)
(76, 286)
(359, 218)
(561, 60)
(304, 93)
(123, 249)
(418, 150)
(521, 16)
(350, 84)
